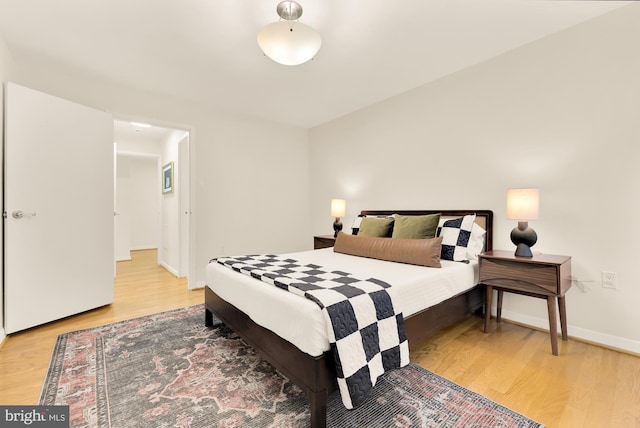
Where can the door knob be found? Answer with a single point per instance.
(19, 214)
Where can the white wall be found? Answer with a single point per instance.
(170, 235)
(560, 114)
(139, 146)
(137, 194)
(145, 189)
(138, 186)
(250, 188)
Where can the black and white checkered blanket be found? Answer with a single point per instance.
(367, 336)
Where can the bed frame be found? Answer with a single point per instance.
(316, 375)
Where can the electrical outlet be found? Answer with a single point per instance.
(609, 279)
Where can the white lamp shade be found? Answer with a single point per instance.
(522, 204)
(338, 208)
(288, 42)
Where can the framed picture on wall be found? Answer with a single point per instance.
(167, 178)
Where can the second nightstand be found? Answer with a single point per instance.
(323, 241)
(544, 275)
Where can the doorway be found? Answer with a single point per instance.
(152, 170)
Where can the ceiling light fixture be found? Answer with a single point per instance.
(140, 125)
(289, 42)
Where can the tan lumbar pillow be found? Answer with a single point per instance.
(421, 252)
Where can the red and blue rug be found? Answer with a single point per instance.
(170, 370)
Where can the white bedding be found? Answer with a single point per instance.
(300, 321)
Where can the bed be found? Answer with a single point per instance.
(297, 348)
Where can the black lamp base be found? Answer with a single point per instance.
(337, 227)
(524, 238)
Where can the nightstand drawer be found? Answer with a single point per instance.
(323, 241)
(526, 277)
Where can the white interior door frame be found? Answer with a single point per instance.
(191, 173)
(184, 205)
(191, 280)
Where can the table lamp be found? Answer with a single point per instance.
(338, 209)
(522, 205)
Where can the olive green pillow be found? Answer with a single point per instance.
(415, 226)
(376, 226)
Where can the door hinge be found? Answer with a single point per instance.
(4, 214)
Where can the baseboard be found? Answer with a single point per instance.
(169, 268)
(590, 336)
(198, 285)
(3, 336)
(144, 247)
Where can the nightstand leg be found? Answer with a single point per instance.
(553, 324)
(499, 308)
(487, 308)
(563, 317)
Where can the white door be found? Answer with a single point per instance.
(58, 194)
(121, 224)
(185, 208)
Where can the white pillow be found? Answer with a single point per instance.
(476, 243)
(355, 226)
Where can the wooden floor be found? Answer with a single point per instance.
(586, 386)
(141, 288)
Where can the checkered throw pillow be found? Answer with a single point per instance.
(456, 234)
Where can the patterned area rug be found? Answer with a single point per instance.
(169, 370)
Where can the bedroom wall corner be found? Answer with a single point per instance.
(6, 68)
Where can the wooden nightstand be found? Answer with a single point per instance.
(544, 275)
(323, 241)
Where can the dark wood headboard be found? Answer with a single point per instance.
(483, 217)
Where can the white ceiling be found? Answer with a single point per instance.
(206, 50)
